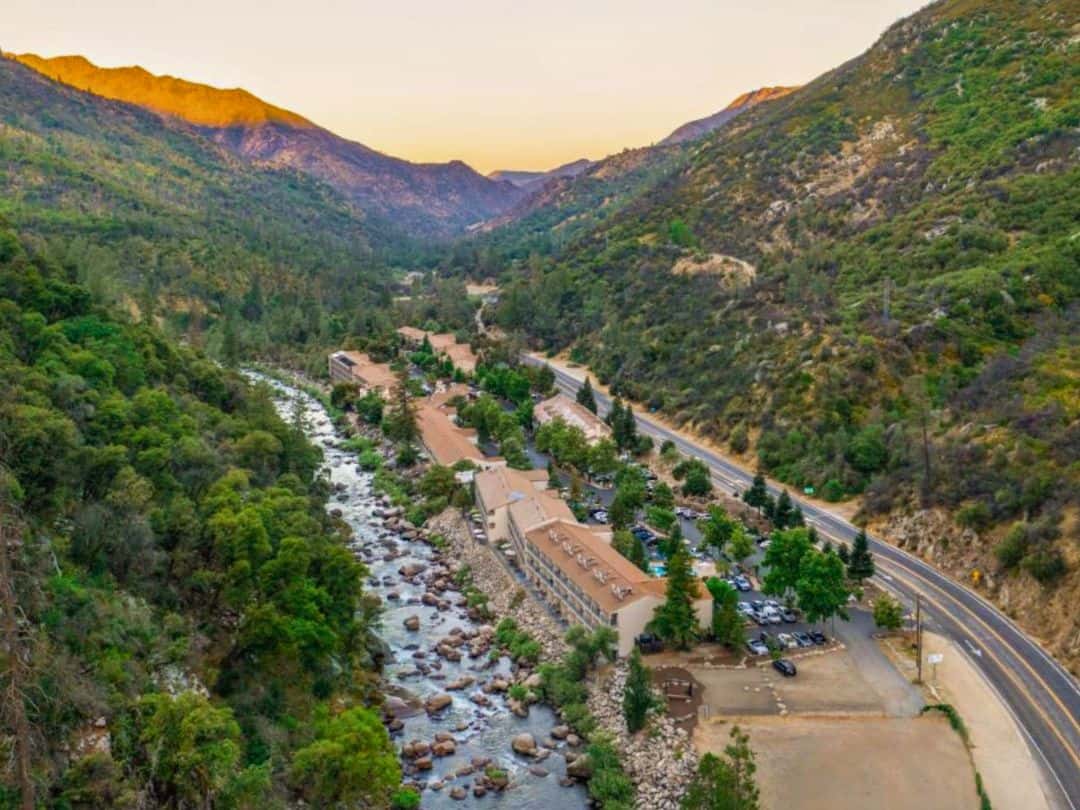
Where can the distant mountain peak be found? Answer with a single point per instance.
(198, 104)
(534, 180)
(693, 130)
(423, 198)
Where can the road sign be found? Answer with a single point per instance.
(935, 658)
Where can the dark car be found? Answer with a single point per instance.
(818, 637)
(648, 643)
(785, 667)
(789, 616)
(643, 534)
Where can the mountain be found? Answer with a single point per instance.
(869, 286)
(533, 181)
(176, 228)
(436, 199)
(693, 130)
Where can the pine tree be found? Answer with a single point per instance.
(399, 422)
(675, 620)
(860, 566)
(638, 696)
(844, 554)
(728, 783)
(758, 494)
(783, 512)
(638, 556)
(727, 623)
(586, 397)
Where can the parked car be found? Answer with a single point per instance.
(760, 617)
(803, 638)
(789, 616)
(787, 641)
(772, 615)
(742, 583)
(764, 638)
(648, 643)
(643, 534)
(755, 647)
(785, 667)
(600, 516)
(818, 637)
(772, 603)
(745, 608)
(758, 605)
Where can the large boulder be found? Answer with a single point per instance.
(579, 768)
(436, 703)
(524, 744)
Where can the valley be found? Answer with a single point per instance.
(738, 469)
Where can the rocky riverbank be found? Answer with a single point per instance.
(465, 718)
(660, 760)
(508, 597)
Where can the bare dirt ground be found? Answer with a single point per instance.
(819, 763)
(1001, 755)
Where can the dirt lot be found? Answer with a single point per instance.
(1009, 771)
(827, 684)
(818, 763)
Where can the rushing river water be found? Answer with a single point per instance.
(478, 731)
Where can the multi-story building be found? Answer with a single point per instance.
(358, 368)
(572, 413)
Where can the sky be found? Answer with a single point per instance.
(497, 83)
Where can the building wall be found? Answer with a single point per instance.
(631, 621)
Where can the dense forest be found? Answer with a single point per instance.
(868, 286)
(192, 629)
(168, 225)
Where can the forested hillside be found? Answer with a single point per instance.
(163, 221)
(868, 286)
(192, 628)
(424, 199)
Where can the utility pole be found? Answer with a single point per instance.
(918, 637)
(11, 539)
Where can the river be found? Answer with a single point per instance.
(478, 731)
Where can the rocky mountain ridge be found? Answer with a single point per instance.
(430, 200)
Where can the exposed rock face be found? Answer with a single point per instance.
(1049, 615)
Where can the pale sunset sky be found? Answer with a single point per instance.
(500, 85)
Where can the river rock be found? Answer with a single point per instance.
(458, 793)
(412, 623)
(579, 768)
(423, 763)
(436, 703)
(443, 748)
(560, 732)
(524, 743)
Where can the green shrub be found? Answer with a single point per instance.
(1011, 550)
(1046, 565)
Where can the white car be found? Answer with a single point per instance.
(787, 641)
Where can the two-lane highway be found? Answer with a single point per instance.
(1042, 696)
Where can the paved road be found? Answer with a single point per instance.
(1041, 695)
